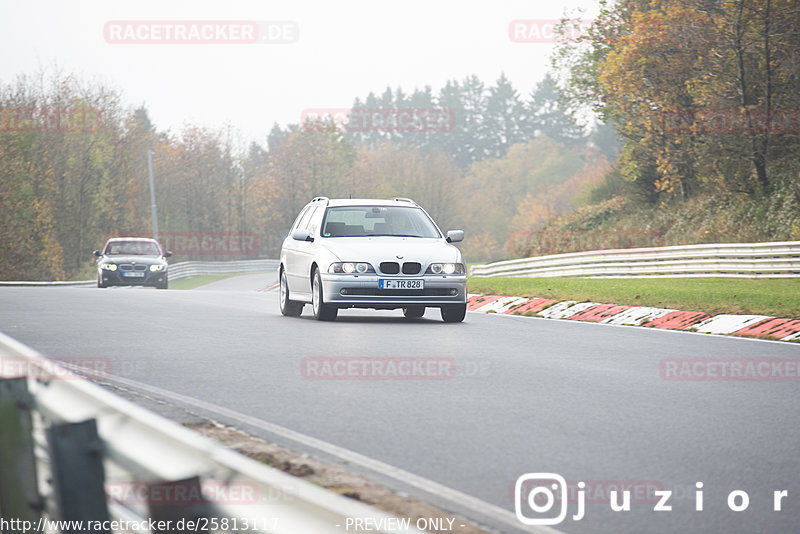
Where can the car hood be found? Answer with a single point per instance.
(377, 249)
(145, 260)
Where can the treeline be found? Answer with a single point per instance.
(705, 96)
(484, 122)
(73, 172)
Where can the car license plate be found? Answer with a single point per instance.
(401, 284)
(133, 274)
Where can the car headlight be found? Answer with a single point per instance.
(109, 266)
(446, 268)
(350, 267)
(157, 267)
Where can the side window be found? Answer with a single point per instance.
(296, 223)
(303, 224)
(314, 221)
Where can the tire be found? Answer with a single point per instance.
(165, 285)
(289, 308)
(454, 313)
(414, 312)
(100, 283)
(322, 312)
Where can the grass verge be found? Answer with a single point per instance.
(778, 297)
(197, 281)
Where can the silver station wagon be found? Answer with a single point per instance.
(367, 253)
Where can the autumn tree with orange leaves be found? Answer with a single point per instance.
(700, 90)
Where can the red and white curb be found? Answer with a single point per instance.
(764, 326)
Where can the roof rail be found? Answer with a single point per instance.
(401, 199)
(320, 199)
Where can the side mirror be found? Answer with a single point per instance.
(97, 253)
(302, 235)
(167, 254)
(454, 236)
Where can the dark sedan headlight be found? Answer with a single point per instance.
(446, 268)
(350, 267)
(157, 267)
(109, 266)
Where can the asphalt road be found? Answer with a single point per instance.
(582, 400)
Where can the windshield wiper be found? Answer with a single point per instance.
(390, 235)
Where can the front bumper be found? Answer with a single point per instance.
(117, 278)
(361, 291)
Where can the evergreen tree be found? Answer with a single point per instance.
(548, 115)
(504, 118)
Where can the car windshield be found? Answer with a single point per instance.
(133, 247)
(365, 221)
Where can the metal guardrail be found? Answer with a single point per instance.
(72, 448)
(73, 283)
(740, 260)
(184, 269)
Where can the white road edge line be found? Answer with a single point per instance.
(489, 510)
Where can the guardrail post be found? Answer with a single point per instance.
(179, 500)
(76, 453)
(19, 495)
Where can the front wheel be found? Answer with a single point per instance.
(454, 313)
(100, 283)
(164, 284)
(414, 312)
(322, 312)
(289, 308)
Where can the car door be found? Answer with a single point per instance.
(289, 252)
(306, 250)
(302, 256)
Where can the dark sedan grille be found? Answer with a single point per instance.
(390, 267)
(130, 267)
(411, 267)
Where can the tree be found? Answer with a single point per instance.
(547, 114)
(505, 117)
(699, 91)
(494, 188)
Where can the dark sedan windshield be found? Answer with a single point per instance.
(128, 248)
(365, 221)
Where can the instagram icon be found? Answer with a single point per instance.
(541, 499)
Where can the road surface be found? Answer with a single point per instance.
(582, 400)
